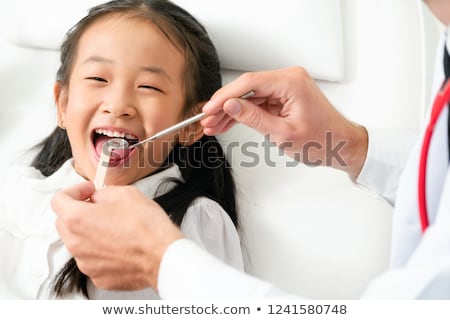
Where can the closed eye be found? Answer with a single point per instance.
(150, 87)
(96, 79)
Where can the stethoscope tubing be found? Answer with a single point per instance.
(440, 102)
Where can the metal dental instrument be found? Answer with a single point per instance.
(179, 125)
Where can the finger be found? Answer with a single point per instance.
(274, 109)
(212, 120)
(66, 198)
(215, 104)
(81, 191)
(221, 127)
(250, 81)
(218, 127)
(62, 229)
(229, 125)
(113, 194)
(106, 194)
(250, 115)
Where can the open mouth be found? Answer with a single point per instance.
(101, 135)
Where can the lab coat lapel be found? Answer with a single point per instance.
(406, 225)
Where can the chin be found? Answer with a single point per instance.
(117, 181)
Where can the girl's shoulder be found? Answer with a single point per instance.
(13, 175)
(206, 209)
(206, 217)
(15, 182)
(209, 226)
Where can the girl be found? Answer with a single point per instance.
(128, 69)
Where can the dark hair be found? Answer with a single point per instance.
(212, 178)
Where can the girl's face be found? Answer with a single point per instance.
(126, 81)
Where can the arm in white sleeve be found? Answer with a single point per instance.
(209, 265)
(387, 155)
(425, 271)
(189, 272)
(426, 275)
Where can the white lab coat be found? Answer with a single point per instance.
(32, 252)
(420, 263)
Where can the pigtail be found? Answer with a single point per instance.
(53, 152)
(70, 279)
(206, 173)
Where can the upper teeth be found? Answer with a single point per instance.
(115, 134)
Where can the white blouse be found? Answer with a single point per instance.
(32, 252)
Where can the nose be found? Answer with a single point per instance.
(120, 105)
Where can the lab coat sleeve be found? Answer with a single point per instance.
(426, 275)
(387, 155)
(209, 226)
(208, 263)
(189, 272)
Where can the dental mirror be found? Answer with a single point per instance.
(103, 162)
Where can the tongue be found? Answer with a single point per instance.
(116, 154)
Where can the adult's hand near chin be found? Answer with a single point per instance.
(116, 235)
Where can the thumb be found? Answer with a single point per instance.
(79, 192)
(251, 115)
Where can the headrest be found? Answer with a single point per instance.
(249, 35)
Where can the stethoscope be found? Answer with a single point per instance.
(440, 102)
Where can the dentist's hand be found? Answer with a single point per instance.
(118, 238)
(290, 107)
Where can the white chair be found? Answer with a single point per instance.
(310, 231)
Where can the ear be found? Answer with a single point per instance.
(192, 133)
(60, 97)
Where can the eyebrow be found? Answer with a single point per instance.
(150, 69)
(97, 59)
(157, 70)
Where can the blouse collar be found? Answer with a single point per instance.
(66, 176)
